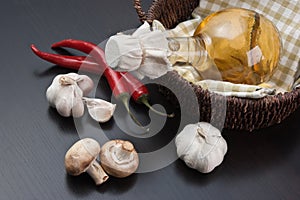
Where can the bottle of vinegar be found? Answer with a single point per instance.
(235, 45)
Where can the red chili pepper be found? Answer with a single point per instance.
(114, 79)
(87, 47)
(71, 62)
(121, 88)
(139, 91)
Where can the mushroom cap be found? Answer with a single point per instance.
(119, 158)
(81, 155)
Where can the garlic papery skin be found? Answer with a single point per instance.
(100, 110)
(84, 82)
(65, 95)
(201, 146)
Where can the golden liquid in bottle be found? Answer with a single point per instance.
(244, 45)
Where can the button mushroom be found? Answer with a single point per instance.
(119, 158)
(81, 157)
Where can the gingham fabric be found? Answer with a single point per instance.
(285, 14)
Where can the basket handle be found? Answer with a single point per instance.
(166, 11)
(138, 7)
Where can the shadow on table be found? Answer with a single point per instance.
(83, 184)
(192, 176)
(250, 154)
(53, 70)
(64, 123)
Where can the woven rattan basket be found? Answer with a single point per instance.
(241, 113)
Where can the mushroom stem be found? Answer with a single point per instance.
(124, 154)
(119, 158)
(97, 173)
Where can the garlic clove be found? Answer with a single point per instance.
(78, 109)
(86, 84)
(52, 90)
(100, 110)
(68, 102)
(64, 101)
(63, 107)
(77, 104)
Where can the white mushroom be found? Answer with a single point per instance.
(119, 158)
(201, 146)
(100, 110)
(81, 157)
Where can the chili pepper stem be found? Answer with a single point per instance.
(125, 101)
(144, 100)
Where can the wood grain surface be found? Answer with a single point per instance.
(260, 165)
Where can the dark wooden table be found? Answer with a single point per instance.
(260, 165)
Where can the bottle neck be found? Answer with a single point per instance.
(187, 50)
(192, 51)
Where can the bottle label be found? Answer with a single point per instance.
(254, 56)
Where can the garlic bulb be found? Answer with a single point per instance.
(65, 95)
(68, 102)
(84, 82)
(99, 110)
(201, 146)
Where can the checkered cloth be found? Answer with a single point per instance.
(285, 14)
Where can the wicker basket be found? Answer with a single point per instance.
(241, 113)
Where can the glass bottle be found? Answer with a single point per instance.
(235, 45)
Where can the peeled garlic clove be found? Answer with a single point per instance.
(201, 146)
(99, 110)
